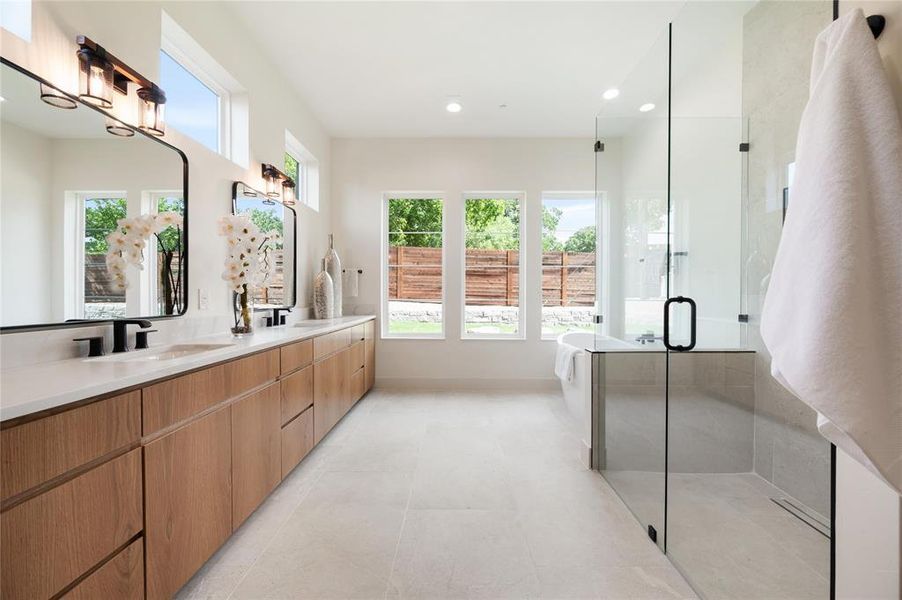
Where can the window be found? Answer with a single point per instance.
(97, 297)
(413, 284)
(303, 168)
(15, 17)
(203, 101)
(493, 287)
(157, 294)
(645, 263)
(191, 106)
(568, 262)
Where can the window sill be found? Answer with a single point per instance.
(493, 338)
(411, 337)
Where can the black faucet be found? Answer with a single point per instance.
(120, 335)
(276, 318)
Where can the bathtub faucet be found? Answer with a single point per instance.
(648, 338)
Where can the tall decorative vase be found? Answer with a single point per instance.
(323, 295)
(244, 312)
(333, 268)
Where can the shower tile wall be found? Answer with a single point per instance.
(778, 38)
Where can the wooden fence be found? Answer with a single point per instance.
(493, 276)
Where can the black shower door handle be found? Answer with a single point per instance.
(679, 300)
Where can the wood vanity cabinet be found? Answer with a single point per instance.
(128, 495)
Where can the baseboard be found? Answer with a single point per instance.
(461, 384)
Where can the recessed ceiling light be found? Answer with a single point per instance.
(646, 107)
(454, 105)
(611, 94)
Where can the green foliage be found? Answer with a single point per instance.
(267, 220)
(101, 215)
(493, 224)
(582, 240)
(415, 222)
(551, 216)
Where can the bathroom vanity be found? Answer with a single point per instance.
(124, 490)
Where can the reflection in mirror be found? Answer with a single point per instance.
(269, 214)
(92, 223)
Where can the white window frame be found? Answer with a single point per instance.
(15, 17)
(232, 106)
(384, 254)
(597, 198)
(74, 238)
(523, 267)
(308, 171)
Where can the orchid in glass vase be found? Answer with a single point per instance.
(248, 266)
(126, 244)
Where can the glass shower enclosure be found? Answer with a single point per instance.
(723, 469)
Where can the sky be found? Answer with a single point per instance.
(191, 107)
(576, 214)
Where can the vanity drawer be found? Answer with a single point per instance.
(331, 343)
(122, 577)
(52, 539)
(358, 356)
(358, 333)
(177, 399)
(295, 356)
(297, 393)
(297, 441)
(40, 450)
(358, 386)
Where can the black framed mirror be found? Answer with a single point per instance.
(270, 214)
(94, 213)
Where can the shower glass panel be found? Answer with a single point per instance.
(631, 184)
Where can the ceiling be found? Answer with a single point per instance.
(385, 69)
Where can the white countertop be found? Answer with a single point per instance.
(33, 388)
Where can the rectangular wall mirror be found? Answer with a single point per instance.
(269, 214)
(71, 175)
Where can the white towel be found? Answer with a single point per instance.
(351, 283)
(832, 317)
(564, 360)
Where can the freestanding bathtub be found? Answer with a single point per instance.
(578, 391)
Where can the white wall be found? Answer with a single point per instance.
(868, 512)
(26, 210)
(131, 31)
(362, 169)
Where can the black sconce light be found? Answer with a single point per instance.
(279, 186)
(99, 74)
(54, 97)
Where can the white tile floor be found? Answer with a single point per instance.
(442, 495)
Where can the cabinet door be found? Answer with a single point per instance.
(297, 441)
(256, 450)
(330, 392)
(122, 577)
(188, 500)
(370, 358)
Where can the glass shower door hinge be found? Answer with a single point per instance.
(743, 318)
(598, 319)
(744, 147)
(599, 146)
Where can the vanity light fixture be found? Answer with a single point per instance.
(95, 77)
(54, 97)
(288, 196)
(646, 107)
(273, 179)
(118, 128)
(153, 105)
(610, 94)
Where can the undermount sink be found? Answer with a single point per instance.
(164, 353)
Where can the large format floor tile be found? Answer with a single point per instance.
(442, 495)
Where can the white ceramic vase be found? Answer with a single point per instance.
(333, 268)
(323, 295)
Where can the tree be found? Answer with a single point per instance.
(582, 240)
(415, 222)
(493, 224)
(551, 216)
(101, 215)
(267, 220)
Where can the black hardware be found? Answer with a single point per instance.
(599, 147)
(141, 338)
(744, 147)
(598, 319)
(692, 308)
(277, 318)
(681, 253)
(876, 23)
(120, 337)
(743, 318)
(95, 345)
(653, 534)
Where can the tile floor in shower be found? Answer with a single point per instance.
(729, 537)
(443, 495)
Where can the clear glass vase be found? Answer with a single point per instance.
(243, 307)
